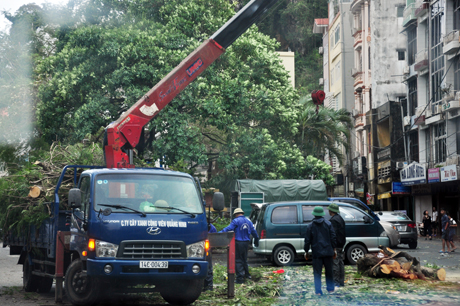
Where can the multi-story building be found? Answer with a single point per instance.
(337, 82)
(432, 110)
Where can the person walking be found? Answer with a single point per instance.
(209, 280)
(243, 228)
(320, 236)
(445, 231)
(452, 230)
(339, 227)
(427, 224)
(434, 221)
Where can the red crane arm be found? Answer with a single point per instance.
(123, 135)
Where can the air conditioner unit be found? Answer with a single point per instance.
(457, 95)
(354, 112)
(321, 81)
(321, 50)
(406, 70)
(400, 165)
(406, 120)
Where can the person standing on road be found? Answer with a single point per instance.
(427, 224)
(320, 235)
(243, 228)
(452, 230)
(434, 222)
(445, 231)
(339, 227)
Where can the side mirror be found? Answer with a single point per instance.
(218, 201)
(74, 198)
(367, 219)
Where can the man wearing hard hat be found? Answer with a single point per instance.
(243, 228)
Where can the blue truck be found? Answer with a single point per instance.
(125, 227)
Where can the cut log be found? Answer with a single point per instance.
(439, 274)
(34, 192)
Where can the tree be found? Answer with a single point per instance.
(240, 112)
(324, 131)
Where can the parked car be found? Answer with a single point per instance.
(405, 226)
(393, 234)
(282, 226)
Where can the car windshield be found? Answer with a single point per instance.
(394, 216)
(147, 193)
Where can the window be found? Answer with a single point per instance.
(159, 193)
(440, 152)
(85, 194)
(401, 56)
(285, 215)
(307, 216)
(457, 74)
(400, 11)
(413, 146)
(350, 214)
(436, 55)
(336, 35)
(457, 15)
(411, 45)
(412, 97)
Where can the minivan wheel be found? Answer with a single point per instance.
(413, 244)
(283, 256)
(355, 252)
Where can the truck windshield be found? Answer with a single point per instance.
(147, 193)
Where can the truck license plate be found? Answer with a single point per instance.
(153, 264)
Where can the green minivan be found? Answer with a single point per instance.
(282, 225)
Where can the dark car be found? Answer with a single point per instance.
(282, 225)
(404, 225)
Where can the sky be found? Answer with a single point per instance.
(13, 5)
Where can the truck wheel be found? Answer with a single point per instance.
(355, 252)
(44, 284)
(79, 288)
(190, 291)
(283, 256)
(29, 281)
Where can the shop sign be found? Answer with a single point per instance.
(398, 188)
(370, 199)
(413, 174)
(433, 175)
(424, 189)
(385, 195)
(449, 173)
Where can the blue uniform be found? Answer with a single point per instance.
(212, 229)
(243, 228)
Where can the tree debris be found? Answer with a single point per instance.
(388, 263)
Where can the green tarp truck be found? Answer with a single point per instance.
(245, 192)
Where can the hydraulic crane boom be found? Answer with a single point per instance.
(123, 135)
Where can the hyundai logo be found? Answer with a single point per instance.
(153, 230)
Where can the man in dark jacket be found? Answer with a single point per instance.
(243, 228)
(320, 236)
(340, 234)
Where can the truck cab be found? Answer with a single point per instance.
(162, 209)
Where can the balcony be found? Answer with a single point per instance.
(356, 5)
(357, 74)
(358, 39)
(359, 120)
(451, 43)
(421, 8)
(409, 14)
(451, 102)
(421, 61)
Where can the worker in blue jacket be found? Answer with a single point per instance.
(243, 228)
